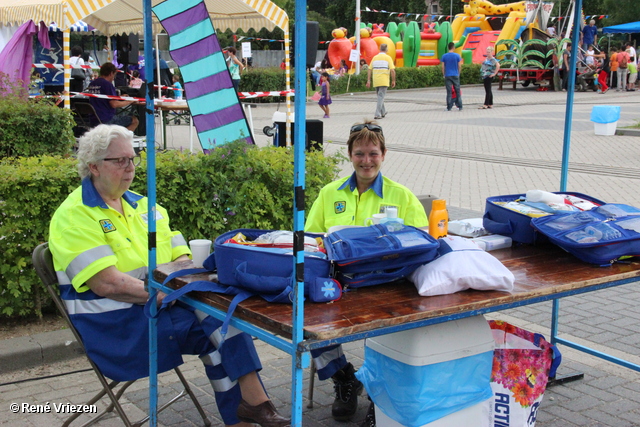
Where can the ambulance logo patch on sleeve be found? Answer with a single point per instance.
(339, 207)
(107, 225)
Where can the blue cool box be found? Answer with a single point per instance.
(506, 222)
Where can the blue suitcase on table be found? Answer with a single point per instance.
(598, 236)
(506, 222)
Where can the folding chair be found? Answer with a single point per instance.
(43, 263)
(85, 113)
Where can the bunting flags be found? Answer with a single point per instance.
(419, 16)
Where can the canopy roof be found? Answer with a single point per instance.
(631, 27)
(124, 16)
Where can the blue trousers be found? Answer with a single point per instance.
(453, 82)
(328, 360)
(198, 333)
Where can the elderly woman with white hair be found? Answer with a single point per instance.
(99, 239)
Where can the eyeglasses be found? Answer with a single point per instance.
(123, 162)
(370, 126)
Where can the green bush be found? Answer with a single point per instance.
(32, 127)
(237, 186)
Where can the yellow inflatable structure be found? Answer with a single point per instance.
(474, 19)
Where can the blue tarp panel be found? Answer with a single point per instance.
(631, 27)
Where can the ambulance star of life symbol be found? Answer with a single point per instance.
(340, 207)
(107, 225)
(329, 289)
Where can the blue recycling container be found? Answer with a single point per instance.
(605, 113)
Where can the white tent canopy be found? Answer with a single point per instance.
(126, 16)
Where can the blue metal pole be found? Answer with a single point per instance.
(575, 38)
(151, 194)
(564, 172)
(301, 359)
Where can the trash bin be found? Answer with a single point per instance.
(605, 119)
(436, 376)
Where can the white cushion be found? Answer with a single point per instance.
(461, 265)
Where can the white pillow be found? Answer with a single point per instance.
(461, 265)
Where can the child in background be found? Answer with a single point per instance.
(325, 97)
(177, 87)
(136, 81)
(589, 56)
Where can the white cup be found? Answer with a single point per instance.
(375, 219)
(200, 250)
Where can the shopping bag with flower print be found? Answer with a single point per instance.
(523, 362)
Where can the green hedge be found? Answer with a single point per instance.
(237, 186)
(32, 127)
(272, 79)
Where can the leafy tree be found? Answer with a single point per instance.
(621, 11)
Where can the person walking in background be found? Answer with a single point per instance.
(589, 35)
(235, 67)
(490, 68)
(613, 66)
(382, 69)
(78, 75)
(177, 87)
(623, 69)
(451, 67)
(603, 70)
(566, 66)
(325, 96)
(632, 66)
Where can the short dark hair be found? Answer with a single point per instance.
(107, 68)
(232, 50)
(451, 45)
(366, 135)
(76, 51)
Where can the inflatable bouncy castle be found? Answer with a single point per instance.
(471, 31)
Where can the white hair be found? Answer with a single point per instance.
(94, 144)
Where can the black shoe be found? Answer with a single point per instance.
(370, 418)
(347, 388)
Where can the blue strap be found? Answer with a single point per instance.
(199, 285)
(261, 284)
(557, 357)
(503, 228)
(184, 272)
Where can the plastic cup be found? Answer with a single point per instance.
(200, 250)
(375, 218)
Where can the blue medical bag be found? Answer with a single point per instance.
(598, 236)
(506, 222)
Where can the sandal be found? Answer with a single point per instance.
(484, 107)
(489, 106)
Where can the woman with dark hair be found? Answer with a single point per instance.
(235, 67)
(78, 75)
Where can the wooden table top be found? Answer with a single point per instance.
(539, 272)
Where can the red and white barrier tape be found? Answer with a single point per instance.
(246, 95)
(61, 66)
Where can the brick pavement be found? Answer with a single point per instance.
(463, 157)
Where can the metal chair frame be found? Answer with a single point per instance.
(43, 264)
